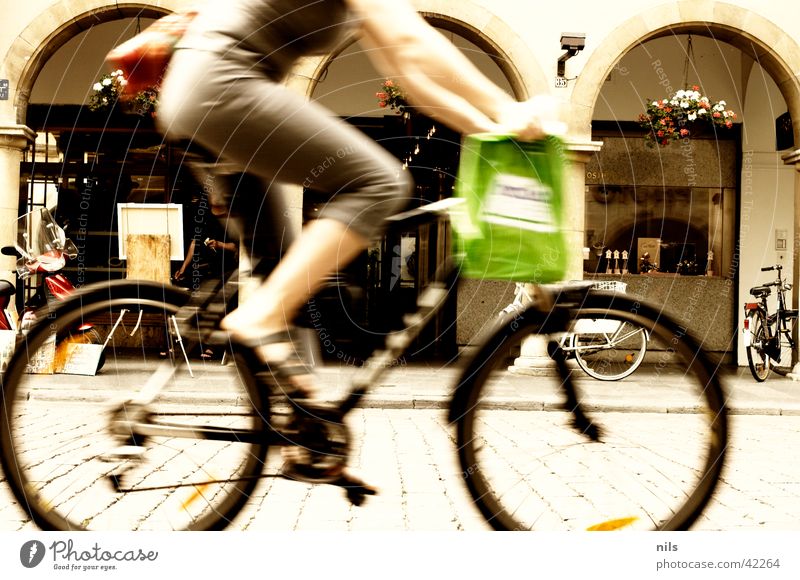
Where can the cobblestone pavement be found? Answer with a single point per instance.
(409, 454)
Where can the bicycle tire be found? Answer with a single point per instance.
(785, 365)
(610, 354)
(55, 443)
(528, 467)
(757, 358)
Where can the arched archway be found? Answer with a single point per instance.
(763, 40)
(54, 27)
(757, 37)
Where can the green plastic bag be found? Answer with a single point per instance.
(510, 227)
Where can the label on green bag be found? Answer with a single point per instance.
(520, 202)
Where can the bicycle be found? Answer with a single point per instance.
(141, 446)
(769, 338)
(604, 350)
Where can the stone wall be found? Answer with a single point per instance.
(704, 305)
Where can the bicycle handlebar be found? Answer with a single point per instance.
(770, 268)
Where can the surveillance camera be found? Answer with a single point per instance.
(573, 41)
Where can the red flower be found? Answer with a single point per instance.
(695, 88)
(684, 132)
(388, 83)
(716, 114)
(382, 104)
(729, 124)
(382, 96)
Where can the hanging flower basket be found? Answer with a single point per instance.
(683, 115)
(392, 96)
(107, 93)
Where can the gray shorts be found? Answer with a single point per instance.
(229, 106)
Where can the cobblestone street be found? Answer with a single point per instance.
(410, 455)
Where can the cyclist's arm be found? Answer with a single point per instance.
(438, 78)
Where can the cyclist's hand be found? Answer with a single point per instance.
(532, 119)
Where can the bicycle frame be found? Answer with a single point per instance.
(205, 305)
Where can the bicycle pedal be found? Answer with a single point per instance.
(356, 491)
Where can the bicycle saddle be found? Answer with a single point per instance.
(759, 291)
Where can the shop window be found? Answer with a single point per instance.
(676, 204)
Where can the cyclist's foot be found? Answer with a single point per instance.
(298, 466)
(283, 359)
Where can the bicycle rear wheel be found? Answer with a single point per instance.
(662, 439)
(757, 358)
(608, 350)
(72, 471)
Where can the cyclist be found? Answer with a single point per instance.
(223, 90)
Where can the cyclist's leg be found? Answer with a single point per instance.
(277, 135)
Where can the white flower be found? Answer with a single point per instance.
(655, 103)
(685, 104)
(106, 82)
(701, 111)
(722, 104)
(119, 72)
(674, 102)
(696, 95)
(123, 82)
(691, 116)
(97, 87)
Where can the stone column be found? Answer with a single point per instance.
(793, 158)
(14, 139)
(533, 358)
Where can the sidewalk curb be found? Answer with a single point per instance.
(430, 403)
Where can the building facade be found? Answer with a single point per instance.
(716, 208)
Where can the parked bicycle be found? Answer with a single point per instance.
(769, 337)
(603, 349)
(143, 446)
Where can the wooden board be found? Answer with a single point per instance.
(148, 257)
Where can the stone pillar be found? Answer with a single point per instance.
(14, 139)
(533, 358)
(793, 158)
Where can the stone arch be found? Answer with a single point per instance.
(477, 25)
(748, 31)
(63, 20)
(51, 29)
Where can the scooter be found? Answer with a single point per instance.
(42, 248)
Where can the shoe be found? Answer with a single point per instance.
(319, 443)
(279, 359)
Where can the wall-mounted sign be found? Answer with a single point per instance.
(3, 89)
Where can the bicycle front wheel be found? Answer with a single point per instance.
(62, 450)
(529, 466)
(608, 350)
(757, 358)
